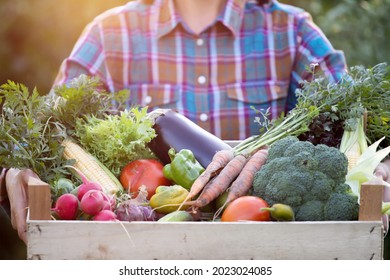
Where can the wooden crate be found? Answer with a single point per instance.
(49, 239)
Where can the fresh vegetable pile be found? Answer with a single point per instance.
(129, 164)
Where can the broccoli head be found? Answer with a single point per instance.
(341, 207)
(291, 190)
(312, 210)
(279, 147)
(332, 162)
(310, 178)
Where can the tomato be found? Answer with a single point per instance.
(147, 172)
(246, 208)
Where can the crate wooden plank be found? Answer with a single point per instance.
(205, 240)
(39, 199)
(371, 195)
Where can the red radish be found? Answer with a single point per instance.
(109, 202)
(85, 187)
(105, 215)
(67, 206)
(86, 184)
(92, 202)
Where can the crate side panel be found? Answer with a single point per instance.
(204, 240)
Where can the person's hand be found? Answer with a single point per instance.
(383, 171)
(16, 183)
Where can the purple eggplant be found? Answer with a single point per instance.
(176, 131)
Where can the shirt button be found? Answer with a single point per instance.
(148, 99)
(202, 80)
(203, 117)
(200, 42)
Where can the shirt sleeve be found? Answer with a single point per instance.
(87, 57)
(313, 48)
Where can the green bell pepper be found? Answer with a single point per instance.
(184, 169)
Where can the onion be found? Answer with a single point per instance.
(129, 211)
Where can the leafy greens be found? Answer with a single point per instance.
(116, 140)
(33, 126)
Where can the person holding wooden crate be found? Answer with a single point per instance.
(209, 60)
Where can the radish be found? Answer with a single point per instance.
(92, 202)
(109, 202)
(105, 215)
(86, 184)
(67, 206)
(85, 187)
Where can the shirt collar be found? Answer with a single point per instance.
(168, 18)
(232, 15)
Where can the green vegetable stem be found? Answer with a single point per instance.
(183, 169)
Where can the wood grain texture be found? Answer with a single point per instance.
(39, 199)
(205, 240)
(371, 197)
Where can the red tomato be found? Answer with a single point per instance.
(147, 172)
(246, 208)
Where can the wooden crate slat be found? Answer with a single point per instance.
(205, 240)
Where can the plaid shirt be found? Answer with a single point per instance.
(252, 56)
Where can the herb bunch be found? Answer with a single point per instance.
(33, 126)
(29, 136)
(360, 90)
(82, 98)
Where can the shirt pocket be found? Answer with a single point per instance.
(258, 93)
(154, 96)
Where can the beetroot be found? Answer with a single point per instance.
(92, 202)
(67, 206)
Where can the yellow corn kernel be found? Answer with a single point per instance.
(91, 167)
(353, 155)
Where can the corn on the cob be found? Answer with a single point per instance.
(353, 155)
(354, 143)
(91, 167)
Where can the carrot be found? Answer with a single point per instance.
(218, 162)
(220, 183)
(244, 180)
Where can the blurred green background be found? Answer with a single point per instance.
(36, 35)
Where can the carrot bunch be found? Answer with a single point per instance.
(228, 171)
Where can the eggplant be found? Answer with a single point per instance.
(176, 131)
